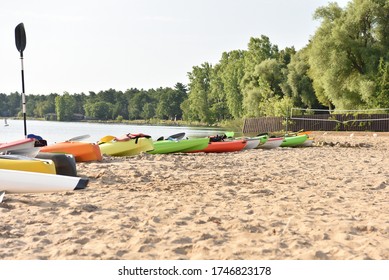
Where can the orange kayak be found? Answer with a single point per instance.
(223, 147)
(81, 151)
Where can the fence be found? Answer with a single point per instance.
(322, 122)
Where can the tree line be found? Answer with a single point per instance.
(133, 104)
(345, 65)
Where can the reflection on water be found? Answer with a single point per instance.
(61, 131)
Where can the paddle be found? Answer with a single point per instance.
(20, 40)
(78, 138)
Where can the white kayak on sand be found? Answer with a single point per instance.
(14, 181)
(251, 143)
(272, 143)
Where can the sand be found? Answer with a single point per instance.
(324, 202)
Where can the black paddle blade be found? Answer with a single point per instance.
(20, 37)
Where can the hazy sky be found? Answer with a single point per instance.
(92, 45)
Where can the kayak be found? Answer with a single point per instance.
(17, 145)
(28, 152)
(180, 146)
(15, 181)
(263, 139)
(252, 143)
(308, 143)
(272, 143)
(293, 141)
(16, 162)
(223, 146)
(127, 145)
(65, 164)
(82, 151)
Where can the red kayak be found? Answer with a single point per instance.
(223, 147)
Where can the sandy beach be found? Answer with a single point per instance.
(324, 202)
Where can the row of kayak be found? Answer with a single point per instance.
(28, 166)
(134, 144)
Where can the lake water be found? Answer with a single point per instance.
(53, 131)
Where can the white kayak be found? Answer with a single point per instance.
(17, 145)
(14, 181)
(251, 143)
(272, 143)
(27, 152)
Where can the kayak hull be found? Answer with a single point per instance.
(10, 162)
(81, 151)
(272, 143)
(14, 181)
(65, 164)
(181, 146)
(293, 141)
(224, 147)
(252, 143)
(17, 145)
(130, 147)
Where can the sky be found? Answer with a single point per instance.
(92, 45)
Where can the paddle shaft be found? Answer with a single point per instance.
(23, 96)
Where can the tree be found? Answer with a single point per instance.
(199, 91)
(64, 107)
(231, 74)
(14, 104)
(136, 103)
(255, 88)
(100, 110)
(382, 81)
(301, 85)
(148, 111)
(346, 50)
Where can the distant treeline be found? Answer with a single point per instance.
(345, 65)
(133, 104)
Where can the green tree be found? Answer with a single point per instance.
(232, 72)
(346, 50)
(136, 103)
(258, 100)
(199, 90)
(14, 104)
(148, 111)
(382, 82)
(254, 87)
(217, 96)
(64, 107)
(301, 85)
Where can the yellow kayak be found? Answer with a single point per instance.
(25, 164)
(128, 145)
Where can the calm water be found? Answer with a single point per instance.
(61, 131)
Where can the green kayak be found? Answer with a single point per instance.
(293, 141)
(180, 146)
